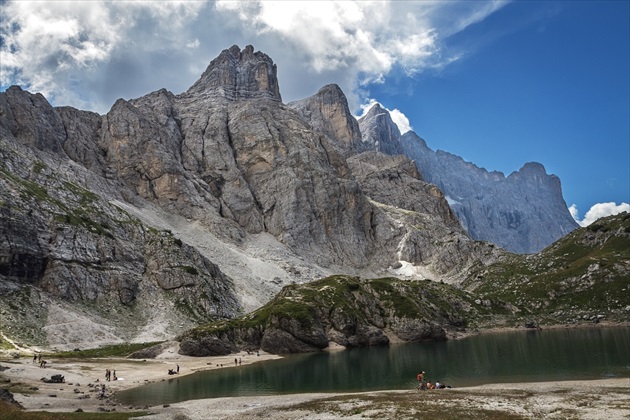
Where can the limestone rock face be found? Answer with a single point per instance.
(65, 243)
(81, 143)
(327, 112)
(379, 132)
(523, 212)
(239, 75)
(285, 335)
(396, 181)
(31, 119)
(428, 236)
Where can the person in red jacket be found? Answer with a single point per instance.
(420, 378)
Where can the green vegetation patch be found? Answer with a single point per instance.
(585, 271)
(28, 189)
(5, 345)
(11, 412)
(114, 350)
(39, 166)
(442, 405)
(403, 299)
(360, 301)
(85, 197)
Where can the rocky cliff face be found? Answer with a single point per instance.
(349, 311)
(75, 267)
(327, 112)
(523, 213)
(258, 194)
(379, 132)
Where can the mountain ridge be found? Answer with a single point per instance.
(238, 194)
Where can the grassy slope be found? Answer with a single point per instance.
(586, 273)
(366, 301)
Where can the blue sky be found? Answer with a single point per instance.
(499, 83)
(545, 82)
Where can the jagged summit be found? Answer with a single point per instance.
(239, 74)
(523, 212)
(379, 131)
(328, 111)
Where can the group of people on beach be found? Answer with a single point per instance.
(38, 358)
(424, 384)
(108, 375)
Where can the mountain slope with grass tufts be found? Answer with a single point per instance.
(345, 310)
(584, 276)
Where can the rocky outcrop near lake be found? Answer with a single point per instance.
(348, 311)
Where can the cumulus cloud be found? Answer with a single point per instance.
(597, 211)
(364, 38)
(87, 54)
(55, 48)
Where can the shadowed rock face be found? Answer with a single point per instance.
(379, 132)
(327, 112)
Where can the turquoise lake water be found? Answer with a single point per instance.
(519, 356)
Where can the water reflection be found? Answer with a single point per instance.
(490, 358)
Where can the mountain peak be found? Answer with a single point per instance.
(379, 130)
(375, 111)
(328, 111)
(239, 74)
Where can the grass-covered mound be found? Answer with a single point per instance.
(347, 310)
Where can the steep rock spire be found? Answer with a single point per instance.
(238, 75)
(380, 132)
(328, 111)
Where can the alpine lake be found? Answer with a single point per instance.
(504, 357)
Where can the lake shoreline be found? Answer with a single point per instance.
(503, 329)
(84, 378)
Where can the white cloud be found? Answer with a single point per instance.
(597, 211)
(193, 44)
(87, 54)
(366, 37)
(49, 46)
(401, 120)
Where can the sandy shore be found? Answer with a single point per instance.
(84, 377)
(609, 398)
